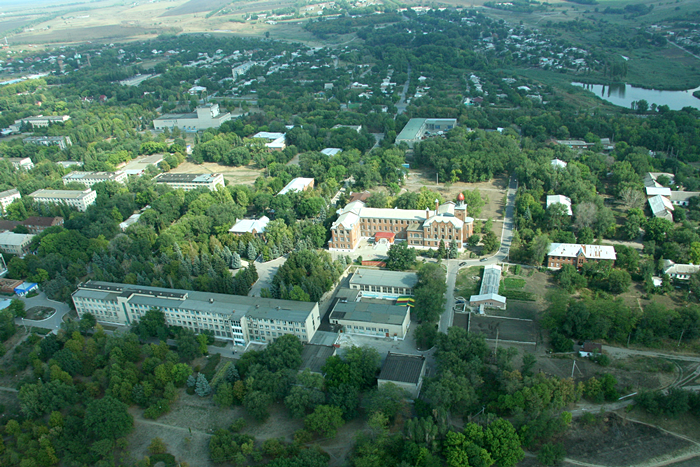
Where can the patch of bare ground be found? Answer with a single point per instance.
(494, 190)
(628, 378)
(188, 427)
(245, 175)
(616, 441)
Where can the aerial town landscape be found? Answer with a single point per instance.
(360, 233)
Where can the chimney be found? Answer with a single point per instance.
(437, 204)
(427, 213)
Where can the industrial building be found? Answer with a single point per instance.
(368, 316)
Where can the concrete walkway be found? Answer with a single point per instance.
(53, 322)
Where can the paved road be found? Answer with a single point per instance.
(266, 271)
(454, 265)
(53, 322)
(401, 105)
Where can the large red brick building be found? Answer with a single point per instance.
(420, 228)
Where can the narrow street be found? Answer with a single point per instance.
(453, 266)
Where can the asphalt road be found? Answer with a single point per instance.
(401, 105)
(53, 322)
(454, 265)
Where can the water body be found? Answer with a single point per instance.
(624, 94)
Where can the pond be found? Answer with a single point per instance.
(623, 95)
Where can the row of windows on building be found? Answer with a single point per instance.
(350, 327)
(386, 289)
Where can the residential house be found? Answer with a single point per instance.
(298, 184)
(252, 226)
(559, 199)
(7, 197)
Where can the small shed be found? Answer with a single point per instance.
(589, 348)
(405, 371)
(25, 288)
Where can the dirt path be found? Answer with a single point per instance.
(8, 389)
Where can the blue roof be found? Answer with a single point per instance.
(25, 287)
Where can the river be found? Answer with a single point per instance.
(624, 94)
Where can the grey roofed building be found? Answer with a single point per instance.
(405, 371)
(661, 207)
(226, 315)
(679, 271)
(374, 311)
(375, 317)
(682, 198)
(314, 357)
(378, 277)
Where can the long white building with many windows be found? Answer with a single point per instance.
(76, 198)
(229, 317)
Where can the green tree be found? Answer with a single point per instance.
(107, 418)
(400, 257)
(490, 242)
(551, 454)
(503, 443)
(325, 420)
(256, 404)
(388, 399)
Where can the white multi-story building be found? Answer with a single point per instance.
(39, 121)
(91, 178)
(23, 163)
(207, 116)
(235, 318)
(14, 243)
(76, 198)
(7, 197)
(190, 182)
(61, 141)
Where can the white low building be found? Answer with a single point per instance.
(252, 226)
(91, 178)
(679, 271)
(21, 163)
(558, 164)
(76, 198)
(275, 141)
(298, 184)
(559, 199)
(488, 292)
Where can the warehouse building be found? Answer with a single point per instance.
(405, 371)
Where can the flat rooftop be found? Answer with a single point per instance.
(64, 194)
(370, 311)
(185, 178)
(238, 305)
(386, 278)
